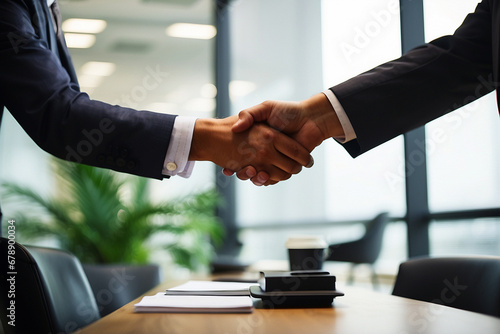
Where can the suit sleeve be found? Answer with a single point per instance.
(38, 91)
(425, 83)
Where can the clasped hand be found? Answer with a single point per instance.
(272, 155)
(306, 123)
(266, 143)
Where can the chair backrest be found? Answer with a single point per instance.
(470, 283)
(367, 248)
(116, 285)
(51, 293)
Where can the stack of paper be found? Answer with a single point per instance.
(200, 297)
(195, 304)
(211, 288)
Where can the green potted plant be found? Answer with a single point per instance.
(103, 216)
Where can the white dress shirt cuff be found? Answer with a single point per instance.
(176, 160)
(349, 133)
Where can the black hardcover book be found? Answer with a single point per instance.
(270, 281)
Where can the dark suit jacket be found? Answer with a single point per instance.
(39, 87)
(425, 83)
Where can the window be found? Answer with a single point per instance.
(353, 44)
(315, 45)
(463, 156)
(462, 147)
(279, 61)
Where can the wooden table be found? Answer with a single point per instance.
(360, 311)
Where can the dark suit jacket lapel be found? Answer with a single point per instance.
(59, 47)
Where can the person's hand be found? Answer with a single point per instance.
(288, 117)
(249, 172)
(309, 122)
(260, 146)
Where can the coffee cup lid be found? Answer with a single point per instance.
(305, 242)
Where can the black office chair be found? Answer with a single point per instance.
(116, 285)
(364, 250)
(45, 289)
(468, 283)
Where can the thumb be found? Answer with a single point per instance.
(257, 113)
(244, 122)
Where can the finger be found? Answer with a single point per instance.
(270, 173)
(283, 167)
(294, 155)
(278, 167)
(246, 173)
(277, 174)
(247, 117)
(261, 179)
(227, 171)
(245, 121)
(311, 163)
(270, 183)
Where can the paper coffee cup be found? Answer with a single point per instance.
(306, 252)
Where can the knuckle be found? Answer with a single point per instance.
(268, 134)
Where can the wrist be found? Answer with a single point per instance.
(209, 138)
(201, 137)
(319, 109)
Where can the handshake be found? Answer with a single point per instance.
(269, 142)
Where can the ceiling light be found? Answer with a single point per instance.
(98, 68)
(79, 41)
(240, 88)
(208, 91)
(88, 26)
(190, 30)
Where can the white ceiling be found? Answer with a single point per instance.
(153, 11)
(267, 54)
(135, 41)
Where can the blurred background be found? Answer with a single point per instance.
(160, 55)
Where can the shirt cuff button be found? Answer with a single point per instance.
(171, 166)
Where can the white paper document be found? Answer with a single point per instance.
(211, 288)
(194, 304)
